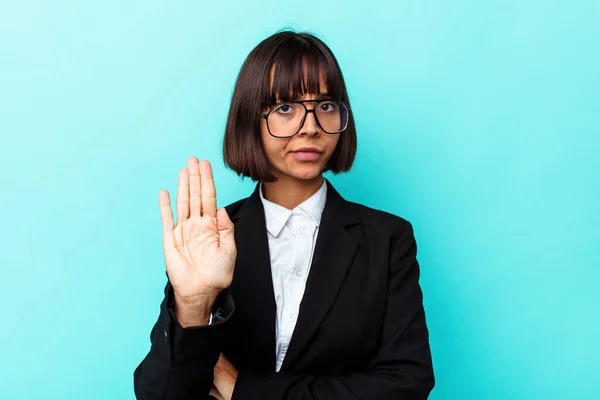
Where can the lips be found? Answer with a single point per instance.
(307, 154)
(308, 150)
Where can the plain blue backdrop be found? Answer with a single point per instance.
(478, 121)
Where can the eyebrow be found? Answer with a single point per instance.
(320, 96)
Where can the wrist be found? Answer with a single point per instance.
(193, 313)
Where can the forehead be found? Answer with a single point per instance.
(306, 87)
(307, 75)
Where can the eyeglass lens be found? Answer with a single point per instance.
(285, 119)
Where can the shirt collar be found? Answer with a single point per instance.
(276, 216)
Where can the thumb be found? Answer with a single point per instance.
(226, 235)
(224, 224)
(225, 227)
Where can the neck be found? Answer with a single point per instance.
(289, 192)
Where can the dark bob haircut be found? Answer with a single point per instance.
(282, 67)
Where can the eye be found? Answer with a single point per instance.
(328, 106)
(285, 109)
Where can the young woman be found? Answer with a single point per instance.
(293, 292)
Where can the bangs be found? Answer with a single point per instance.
(297, 69)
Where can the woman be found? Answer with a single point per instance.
(293, 292)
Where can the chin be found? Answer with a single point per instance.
(306, 173)
(303, 171)
(289, 167)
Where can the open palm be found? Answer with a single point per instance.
(200, 250)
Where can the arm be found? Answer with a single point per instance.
(402, 368)
(200, 254)
(181, 360)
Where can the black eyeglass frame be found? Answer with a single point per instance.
(340, 104)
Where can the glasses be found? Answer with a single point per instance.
(286, 119)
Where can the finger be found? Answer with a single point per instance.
(225, 361)
(195, 189)
(183, 196)
(216, 394)
(166, 216)
(209, 194)
(219, 361)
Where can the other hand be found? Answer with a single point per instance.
(225, 376)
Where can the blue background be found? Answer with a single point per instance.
(477, 121)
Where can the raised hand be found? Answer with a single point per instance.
(200, 250)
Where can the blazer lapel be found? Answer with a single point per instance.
(334, 251)
(253, 283)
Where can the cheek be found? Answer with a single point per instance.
(332, 142)
(275, 150)
(274, 147)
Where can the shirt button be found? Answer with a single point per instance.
(303, 229)
(298, 272)
(293, 316)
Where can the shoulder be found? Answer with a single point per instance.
(388, 233)
(233, 208)
(383, 223)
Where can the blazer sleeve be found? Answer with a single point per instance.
(402, 368)
(181, 360)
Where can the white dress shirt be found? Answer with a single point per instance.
(292, 238)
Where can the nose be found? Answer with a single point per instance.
(310, 125)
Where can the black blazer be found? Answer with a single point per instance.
(360, 333)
